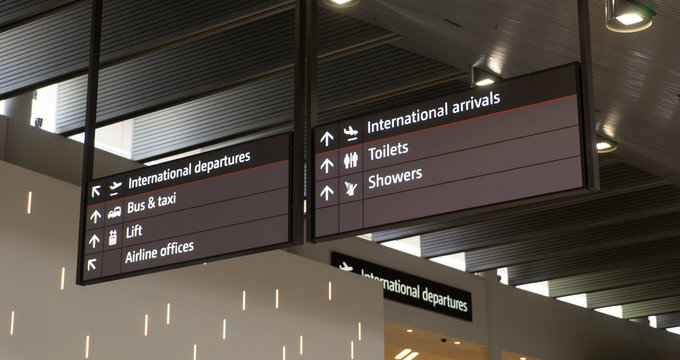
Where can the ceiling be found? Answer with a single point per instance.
(197, 74)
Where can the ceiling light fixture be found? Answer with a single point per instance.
(482, 77)
(605, 146)
(341, 3)
(402, 354)
(627, 16)
(409, 330)
(411, 355)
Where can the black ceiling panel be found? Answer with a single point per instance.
(18, 10)
(50, 47)
(168, 77)
(132, 26)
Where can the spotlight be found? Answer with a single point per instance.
(341, 3)
(605, 146)
(627, 16)
(481, 77)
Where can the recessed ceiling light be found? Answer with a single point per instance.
(522, 358)
(456, 342)
(409, 330)
(630, 18)
(402, 354)
(604, 145)
(627, 16)
(411, 356)
(482, 77)
(341, 3)
(484, 82)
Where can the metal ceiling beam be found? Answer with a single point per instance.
(651, 307)
(665, 321)
(639, 254)
(631, 294)
(642, 228)
(615, 278)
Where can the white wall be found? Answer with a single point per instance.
(50, 323)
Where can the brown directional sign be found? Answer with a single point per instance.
(518, 139)
(225, 202)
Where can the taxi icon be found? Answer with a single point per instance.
(116, 212)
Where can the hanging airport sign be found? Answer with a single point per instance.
(221, 203)
(410, 289)
(518, 139)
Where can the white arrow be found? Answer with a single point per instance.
(326, 191)
(95, 216)
(326, 164)
(94, 240)
(90, 264)
(95, 190)
(326, 138)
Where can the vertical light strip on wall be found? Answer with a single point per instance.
(330, 291)
(87, 346)
(11, 324)
(300, 344)
(243, 307)
(359, 330)
(276, 301)
(351, 350)
(194, 351)
(224, 329)
(167, 315)
(28, 205)
(146, 324)
(63, 275)
(283, 353)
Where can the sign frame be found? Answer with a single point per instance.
(588, 182)
(82, 241)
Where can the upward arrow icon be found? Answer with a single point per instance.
(94, 240)
(95, 216)
(326, 165)
(327, 191)
(326, 138)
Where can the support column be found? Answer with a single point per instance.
(18, 109)
(641, 320)
(493, 349)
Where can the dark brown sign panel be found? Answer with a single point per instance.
(410, 289)
(225, 202)
(518, 139)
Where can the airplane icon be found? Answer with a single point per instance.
(345, 267)
(115, 186)
(349, 131)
